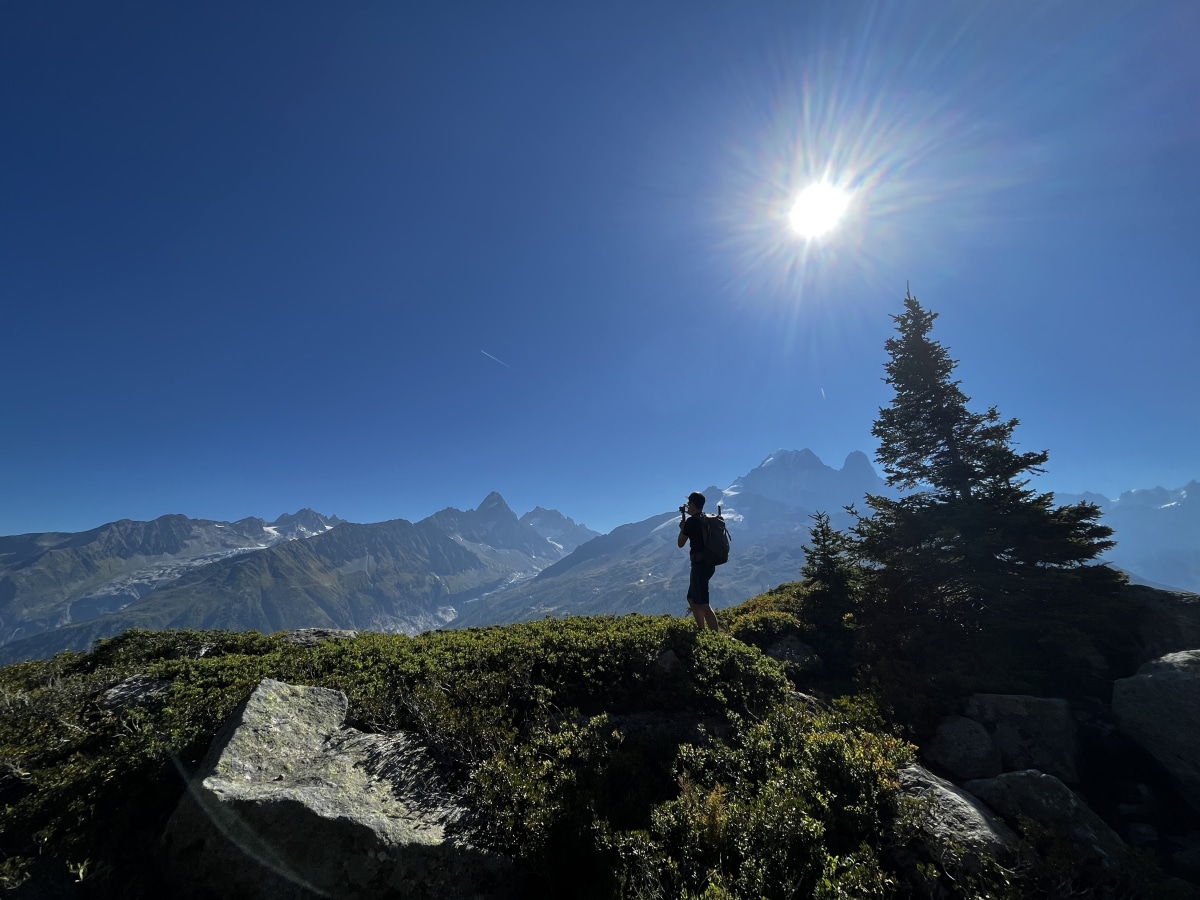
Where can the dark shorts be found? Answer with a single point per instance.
(697, 594)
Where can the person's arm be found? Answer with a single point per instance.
(683, 538)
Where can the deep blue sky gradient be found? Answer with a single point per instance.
(382, 258)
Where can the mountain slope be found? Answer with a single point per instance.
(53, 579)
(560, 530)
(471, 567)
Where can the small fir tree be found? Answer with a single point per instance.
(831, 566)
(829, 559)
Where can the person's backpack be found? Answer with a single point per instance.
(716, 539)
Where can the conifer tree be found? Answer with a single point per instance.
(828, 559)
(834, 574)
(972, 580)
(971, 535)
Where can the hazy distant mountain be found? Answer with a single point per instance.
(557, 528)
(53, 579)
(1157, 532)
(798, 478)
(492, 526)
(390, 576)
(639, 567)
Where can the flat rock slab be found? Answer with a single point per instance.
(1170, 620)
(289, 803)
(310, 637)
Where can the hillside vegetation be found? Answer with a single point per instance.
(611, 757)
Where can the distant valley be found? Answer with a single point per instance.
(461, 568)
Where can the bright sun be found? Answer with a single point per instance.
(818, 209)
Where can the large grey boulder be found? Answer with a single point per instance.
(1045, 799)
(289, 803)
(1030, 732)
(1169, 620)
(963, 748)
(954, 826)
(1159, 708)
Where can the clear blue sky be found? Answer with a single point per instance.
(383, 258)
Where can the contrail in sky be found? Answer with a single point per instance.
(489, 356)
(822, 393)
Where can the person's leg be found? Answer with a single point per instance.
(698, 599)
(695, 586)
(706, 611)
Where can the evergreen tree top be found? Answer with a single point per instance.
(928, 436)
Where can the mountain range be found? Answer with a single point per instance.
(461, 568)
(1157, 534)
(64, 591)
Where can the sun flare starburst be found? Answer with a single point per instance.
(818, 209)
(840, 163)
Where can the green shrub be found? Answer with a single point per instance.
(790, 598)
(732, 677)
(787, 806)
(538, 797)
(87, 788)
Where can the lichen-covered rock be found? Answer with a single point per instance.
(1159, 708)
(1030, 732)
(136, 690)
(310, 637)
(963, 748)
(954, 823)
(289, 803)
(1045, 799)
